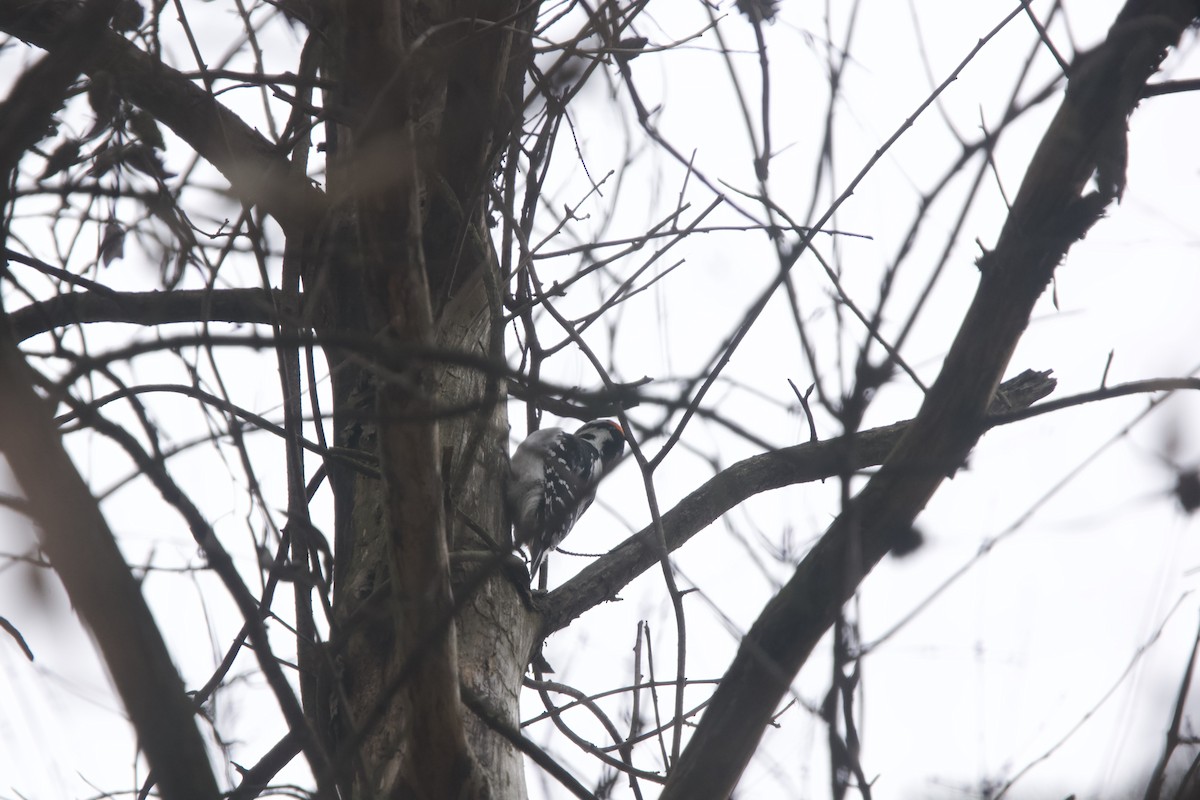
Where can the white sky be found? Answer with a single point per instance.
(994, 672)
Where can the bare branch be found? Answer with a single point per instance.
(258, 173)
(250, 306)
(601, 580)
(1050, 213)
(102, 589)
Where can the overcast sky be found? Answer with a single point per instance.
(1081, 612)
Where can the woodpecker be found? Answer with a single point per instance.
(552, 480)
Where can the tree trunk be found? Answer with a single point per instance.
(406, 263)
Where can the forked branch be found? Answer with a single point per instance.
(1050, 213)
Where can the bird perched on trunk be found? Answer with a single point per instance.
(552, 480)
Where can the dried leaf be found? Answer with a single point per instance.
(629, 49)
(65, 155)
(906, 541)
(162, 206)
(136, 155)
(142, 158)
(104, 160)
(759, 10)
(172, 273)
(103, 98)
(129, 16)
(112, 244)
(143, 126)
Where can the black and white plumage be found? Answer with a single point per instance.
(552, 480)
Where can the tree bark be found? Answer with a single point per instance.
(406, 257)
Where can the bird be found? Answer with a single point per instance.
(552, 480)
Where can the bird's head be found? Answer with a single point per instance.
(606, 436)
